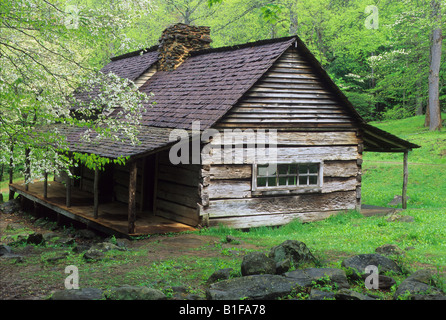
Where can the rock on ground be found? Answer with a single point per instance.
(256, 287)
(78, 294)
(257, 263)
(134, 293)
(296, 251)
(419, 286)
(359, 262)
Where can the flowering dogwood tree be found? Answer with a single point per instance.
(43, 45)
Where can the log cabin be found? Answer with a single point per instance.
(226, 105)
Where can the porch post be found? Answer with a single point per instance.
(68, 196)
(96, 193)
(405, 179)
(45, 185)
(132, 197)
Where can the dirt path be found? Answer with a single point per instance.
(17, 282)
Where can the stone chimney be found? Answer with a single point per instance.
(178, 41)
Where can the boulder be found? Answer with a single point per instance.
(283, 266)
(384, 282)
(4, 249)
(10, 206)
(345, 294)
(296, 251)
(78, 294)
(86, 234)
(322, 276)
(359, 262)
(419, 286)
(321, 295)
(35, 238)
(134, 293)
(221, 274)
(257, 263)
(14, 226)
(256, 287)
(93, 255)
(106, 246)
(389, 249)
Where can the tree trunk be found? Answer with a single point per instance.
(434, 101)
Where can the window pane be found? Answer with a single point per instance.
(313, 167)
(293, 168)
(292, 181)
(313, 180)
(303, 181)
(283, 168)
(262, 170)
(303, 168)
(272, 182)
(282, 181)
(261, 182)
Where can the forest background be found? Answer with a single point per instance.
(379, 52)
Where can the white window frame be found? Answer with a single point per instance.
(285, 189)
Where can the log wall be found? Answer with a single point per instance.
(312, 125)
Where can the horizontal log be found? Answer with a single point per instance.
(289, 138)
(335, 184)
(340, 169)
(278, 155)
(282, 204)
(217, 172)
(294, 101)
(270, 219)
(225, 189)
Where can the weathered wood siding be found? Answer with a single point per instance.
(312, 125)
(290, 94)
(177, 191)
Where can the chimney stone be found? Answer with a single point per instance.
(178, 41)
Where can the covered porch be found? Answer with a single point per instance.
(112, 217)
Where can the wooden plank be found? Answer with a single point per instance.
(177, 212)
(184, 195)
(227, 189)
(281, 204)
(281, 101)
(278, 110)
(132, 197)
(179, 174)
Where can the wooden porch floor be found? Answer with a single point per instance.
(112, 217)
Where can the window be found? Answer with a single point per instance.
(291, 175)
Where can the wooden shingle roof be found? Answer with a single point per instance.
(204, 88)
